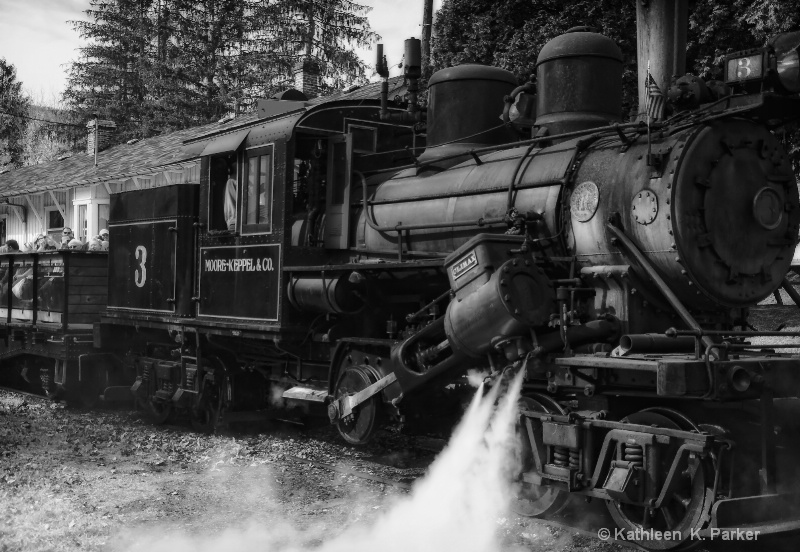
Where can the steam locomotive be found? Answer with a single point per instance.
(613, 263)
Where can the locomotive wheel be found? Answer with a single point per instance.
(206, 415)
(684, 509)
(531, 500)
(158, 412)
(358, 428)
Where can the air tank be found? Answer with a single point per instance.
(464, 107)
(579, 82)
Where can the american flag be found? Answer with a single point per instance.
(655, 99)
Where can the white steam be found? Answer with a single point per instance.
(476, 377)
(457, 506)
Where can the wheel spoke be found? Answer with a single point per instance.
(668, 519)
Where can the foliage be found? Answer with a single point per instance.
(13, 108)
(510, 34)
(158, 65)
(51, 133)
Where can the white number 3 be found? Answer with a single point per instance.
(141, 256)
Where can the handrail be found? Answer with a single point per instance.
(665, 290)
(611, 129)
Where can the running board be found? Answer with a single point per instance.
(306, 394)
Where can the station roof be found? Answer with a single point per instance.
(159, 152)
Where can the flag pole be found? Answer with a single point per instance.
(647, 101)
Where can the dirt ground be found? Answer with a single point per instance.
(108, 481)
(79, 480)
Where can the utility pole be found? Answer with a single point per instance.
(661, 27)
(427, 27)
(96, 137)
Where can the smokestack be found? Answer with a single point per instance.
(104, 133)
(661, 27)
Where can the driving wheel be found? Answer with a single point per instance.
(529, 499)
(359, 427)
(685, 508)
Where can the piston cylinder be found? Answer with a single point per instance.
(516, 298)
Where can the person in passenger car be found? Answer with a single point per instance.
(76, 244)
(101, 237)
(44, 243)
(230, 200)
(67, 235)
(11, 246)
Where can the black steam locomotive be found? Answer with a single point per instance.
(613, 263)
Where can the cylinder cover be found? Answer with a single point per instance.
(579, 82)
(516, 298)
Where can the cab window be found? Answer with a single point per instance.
(257, 196)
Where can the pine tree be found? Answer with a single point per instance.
(158, 65)
(109, 79)
(13, 110)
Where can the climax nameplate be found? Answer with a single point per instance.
(464, 265)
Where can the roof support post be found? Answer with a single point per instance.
(58, 206)
(19, 211)
(35, 212)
